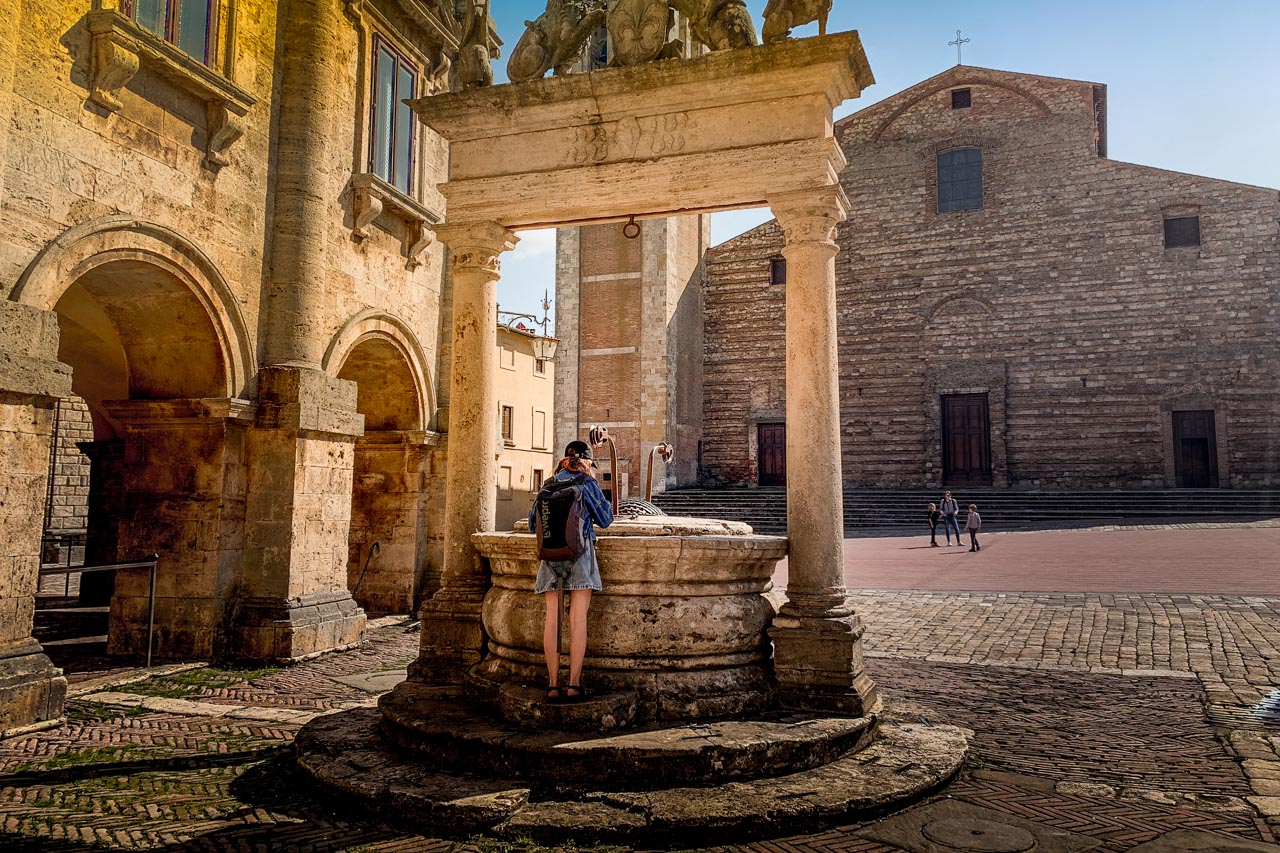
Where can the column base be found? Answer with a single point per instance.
(32, 689)
(453, 639)
(818, 663)
(296, 628)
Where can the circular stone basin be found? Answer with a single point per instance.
(682, 619)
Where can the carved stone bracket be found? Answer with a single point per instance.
(121, 47)
(371, 196)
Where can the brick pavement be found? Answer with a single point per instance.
(1120, 716)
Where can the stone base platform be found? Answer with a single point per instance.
(904, 762)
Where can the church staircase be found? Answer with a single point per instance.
(870, 510)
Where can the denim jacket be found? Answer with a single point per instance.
(599, 510)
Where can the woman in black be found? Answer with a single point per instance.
(934, 515)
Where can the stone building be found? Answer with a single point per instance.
(525, 410)
(216, 243)
(1015, 308)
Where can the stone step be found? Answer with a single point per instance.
(441, 725)
(906, 762)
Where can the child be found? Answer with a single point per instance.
(973, 525)
(582, 576)
(934, 515)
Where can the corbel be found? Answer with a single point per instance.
(114, 65)
(366, 207)
(418, 238)
(224, 129)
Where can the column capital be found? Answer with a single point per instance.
(477, 246)
(810, 216)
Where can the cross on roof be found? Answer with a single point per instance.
(959, 42)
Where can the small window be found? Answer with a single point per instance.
(506, 358)
(187, 24)
(537, 479)
(1181, 231)
(539, 429)
(960, 180)
(508, 423)
(540, 366)
(504, 483)
(961, 99)
(391, 138)
(777, 270)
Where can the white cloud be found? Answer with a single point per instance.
(533, 244)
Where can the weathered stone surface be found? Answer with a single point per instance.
(528, 708)
(907, 762)
(440, 724)
(698, 649)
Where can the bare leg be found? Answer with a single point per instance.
(579, 601)
(549, 639)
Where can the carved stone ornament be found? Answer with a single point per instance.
(371, 196)
(476, 52)
(121, 47)
(643, 136)
(780, 16)
(556, 39)
(811, 216)
(477, 247)
(718, 24)
(638, 30)
(810, 229)
(477, 260)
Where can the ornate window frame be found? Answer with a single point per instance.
(371, 195)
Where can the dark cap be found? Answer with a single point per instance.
(578, 450)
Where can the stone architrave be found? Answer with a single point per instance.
(452, 634)
(816, 636)
(32, 380)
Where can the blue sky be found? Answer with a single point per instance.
(1192, 86)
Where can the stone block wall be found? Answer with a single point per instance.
(1062, 277)
(69, 483)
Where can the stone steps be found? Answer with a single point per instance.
(441, 725)
(346, 752)
(765, 509)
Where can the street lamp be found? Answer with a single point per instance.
(543, 345)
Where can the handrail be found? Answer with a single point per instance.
(111, 567)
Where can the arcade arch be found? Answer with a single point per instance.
(380, 354)
(157, 350)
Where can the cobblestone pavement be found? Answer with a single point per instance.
(1119, 717)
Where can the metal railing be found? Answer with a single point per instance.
(111, 567)
(70, 541)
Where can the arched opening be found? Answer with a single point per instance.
(387, 482)
(145, 451)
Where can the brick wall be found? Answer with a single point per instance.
(1058, 299)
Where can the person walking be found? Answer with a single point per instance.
(934, 515)
(973, 523)
(580, 576)
(950, 521)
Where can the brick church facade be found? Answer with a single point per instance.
(1015, 309)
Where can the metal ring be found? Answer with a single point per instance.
(631, 230)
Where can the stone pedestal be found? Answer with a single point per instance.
(184, 490)
(31, 382)
(387, 507)
(292, 597)
(818, 662)
(453, 639)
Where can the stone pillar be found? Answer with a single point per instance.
(386, 507)
(183, 499)
(817, 635)
(32, 380)
(11, 19)
(433, 512)
(293, 599)
(452, 635)
(565, 424)
(106, 509)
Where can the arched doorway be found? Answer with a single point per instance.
(389, 474)
(152, 337)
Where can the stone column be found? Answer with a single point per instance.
(452, 635)
(817, 636)
(32, 380)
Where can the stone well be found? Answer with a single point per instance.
(682, 620)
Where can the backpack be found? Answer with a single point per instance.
(559, 518)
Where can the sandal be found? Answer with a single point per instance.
(578, 693)
(554, 695)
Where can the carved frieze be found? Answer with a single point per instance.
(631, 137)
